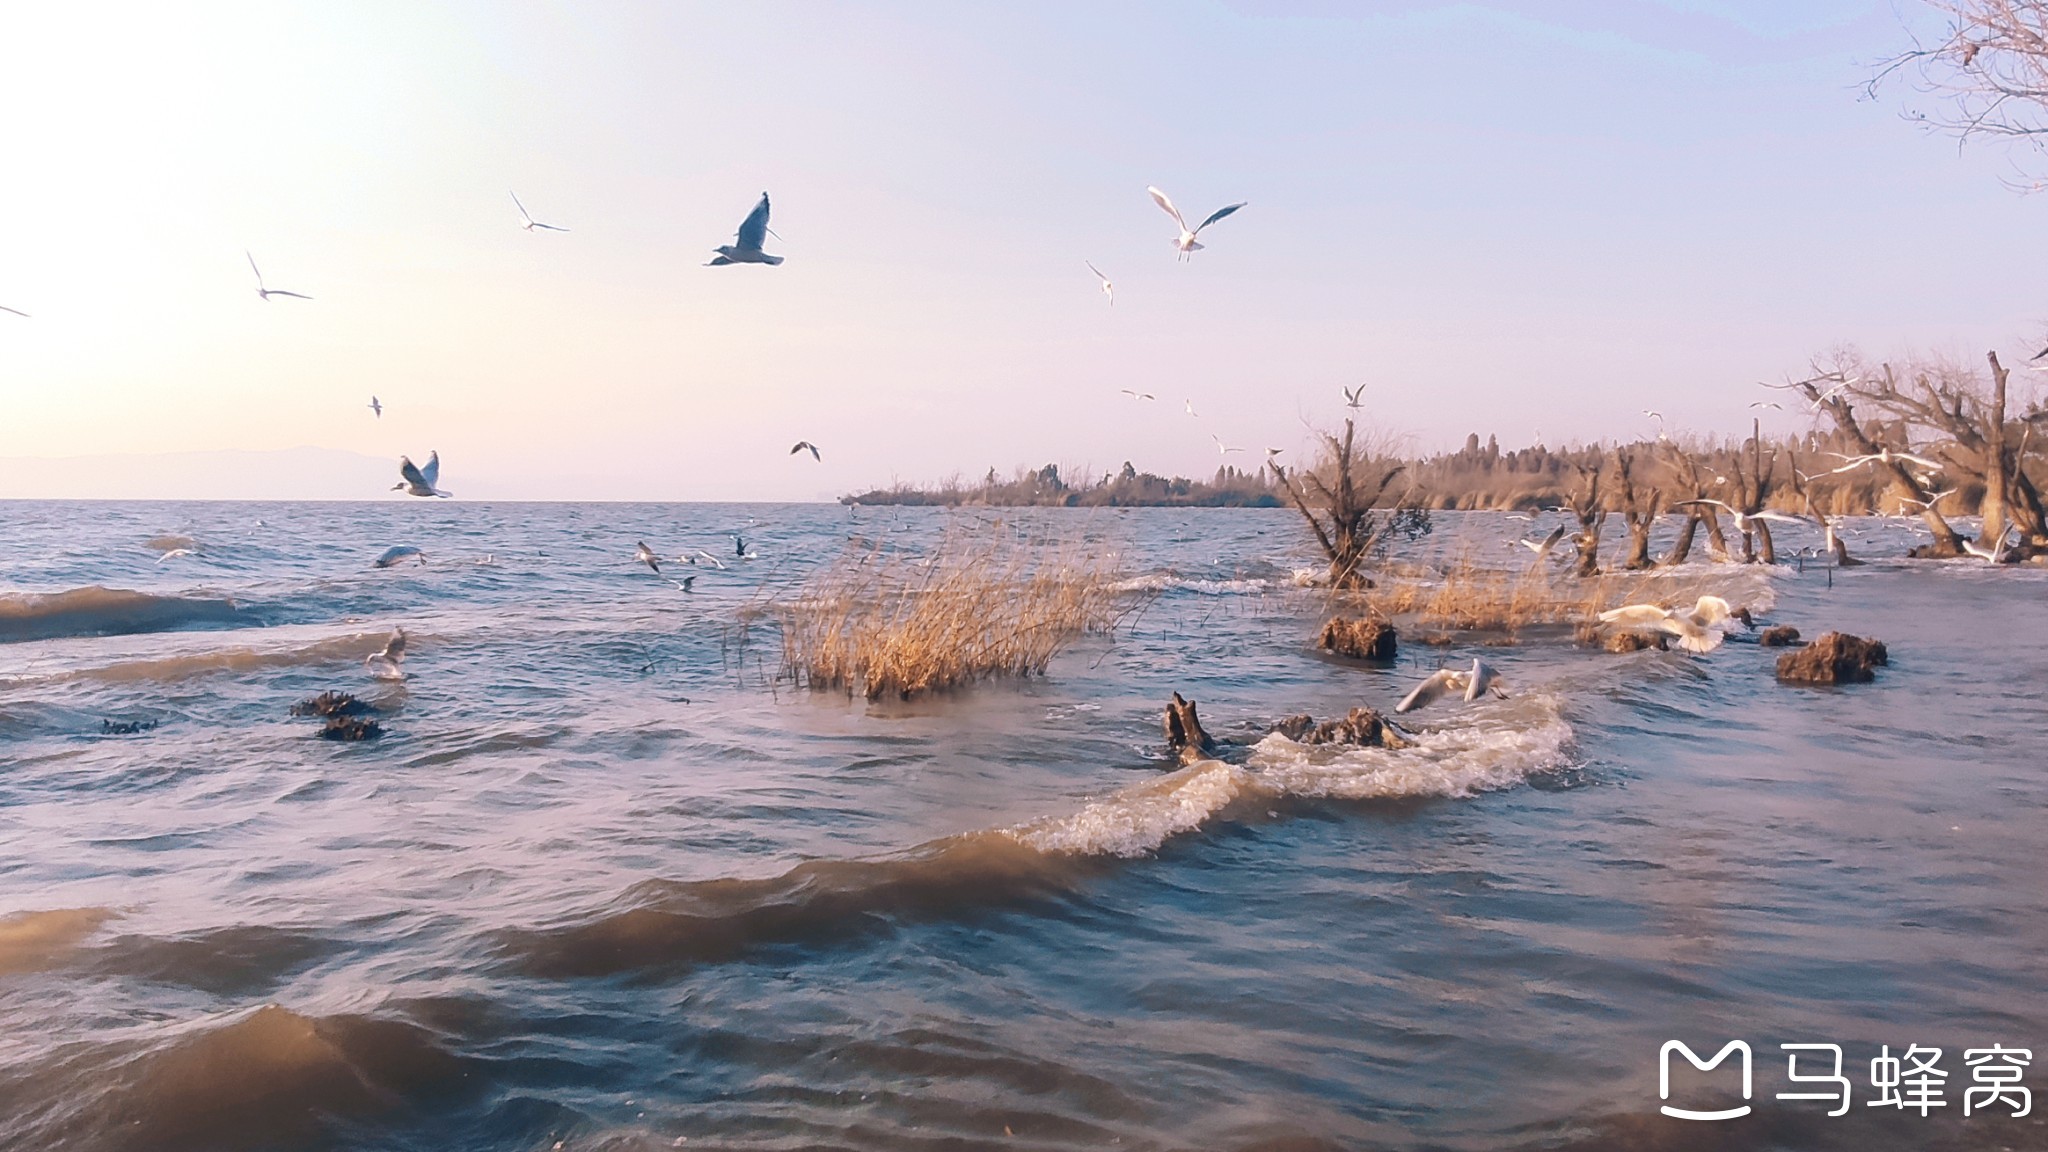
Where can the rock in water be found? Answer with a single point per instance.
(350, 728)
(331, 704)
(1835, 658)
(1624, 640)
(1362, 726)
(1364, 638)
(1782, 636)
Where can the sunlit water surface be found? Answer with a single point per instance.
(604, 882)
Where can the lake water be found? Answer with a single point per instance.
(604, 884)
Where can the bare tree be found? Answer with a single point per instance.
(1753, 487)
(1685, 475)
(1835, 388)
(1591, 512)
(1638, 509)
(1986, 75)
(1344, 501)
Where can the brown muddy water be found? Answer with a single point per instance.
(603, 885)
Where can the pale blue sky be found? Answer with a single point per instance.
(1506, 217)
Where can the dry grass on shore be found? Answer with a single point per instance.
(976, 607)
(1467, 597)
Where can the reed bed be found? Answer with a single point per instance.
(1465, 596)
(882, 622)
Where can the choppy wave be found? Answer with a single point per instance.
(662, 923)
(1167, 582)
(351, 647)
(260, 1079)
(98, 611)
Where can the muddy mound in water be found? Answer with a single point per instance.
(97, 611)
(33, 941)
(269, 1078)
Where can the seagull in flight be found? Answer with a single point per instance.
(1221, 447)
(1699, 628)
(1995, 554)
(1767, 404)
(1191, 409)
(1185, 242)
(376, 407)
(174, 554)
(746, 247)
(267, 293)
(1744, 521)
(645, 555)
(418, 481)
(398, 554)
(16, 311)
(385, 665)
(2036, 356)
(1473, 684)
(1830, 393)
(806, 445)
(1137, 395)
(1881, 456)
(1542, 547)
(1351, 396)
(1108, 289)
(530, 223)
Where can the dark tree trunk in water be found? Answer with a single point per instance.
(1682, 546)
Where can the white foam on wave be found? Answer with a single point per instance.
(1519, 739)
(1163, 582)
(1137, 820)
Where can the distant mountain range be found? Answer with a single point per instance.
(282, 474)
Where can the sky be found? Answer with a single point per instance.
(1513, 217)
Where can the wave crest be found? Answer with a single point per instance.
(98, 611)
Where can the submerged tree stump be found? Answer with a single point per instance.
(1835, 658)
(1185, 736)
(1622, 640)
(350, 728)
(1781, 636)
(1364, 638)
(332, 704)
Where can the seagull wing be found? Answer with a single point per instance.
(1429, 691)
(282, 292)
(1635, 615)
(2038, 355)
(1691, 636)
(1166, 206)
(1480, 681)
(1219, 214)
(1782, 518)
(522, 208)
(1097, 271)
(754, 229)
(254, 268)
(1920, 460)
(411, 473)
(432, 472)
(16, 311)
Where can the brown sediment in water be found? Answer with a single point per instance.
(33, 941)
(669, 923)
(98, 611)
(267, 1079)
(236, 659)
(169, 542)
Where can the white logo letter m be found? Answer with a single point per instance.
(1664, 1078)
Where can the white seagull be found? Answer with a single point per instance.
(1108, 289)
(1351, 396)
(385, 665)
(746, 248)
(1542, 547)
(1767, 404)
(1473, 684)
(1185, 243)
(1995, 554)
(1699, 628)
(1882, 456)
(530, 223)
(174, 554)
(804, 445)
(1222, 448)
(376, 407)
(1744, 521)
(1137, 395)
(645, 555)
(418, 481)
(1191, 409)
(1829, 394)
(267, 293)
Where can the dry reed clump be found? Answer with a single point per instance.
(888, 624)
(1467, 597)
